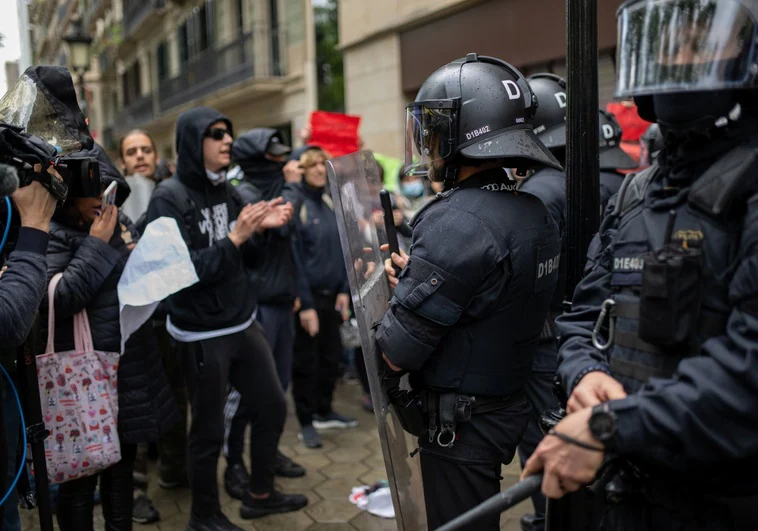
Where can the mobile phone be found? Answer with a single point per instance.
(389, 225)
(109, 196)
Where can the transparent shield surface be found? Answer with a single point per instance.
(355, 184)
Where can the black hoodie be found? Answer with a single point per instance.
(279, 278)
(224, 296)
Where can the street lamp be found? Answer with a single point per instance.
(79, 56)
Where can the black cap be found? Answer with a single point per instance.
(276, 147)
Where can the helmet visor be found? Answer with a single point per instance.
(27, 107)
(429, 134)
(683, 45)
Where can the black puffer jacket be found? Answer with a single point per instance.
(91, 270)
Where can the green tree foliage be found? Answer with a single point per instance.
(331, 80)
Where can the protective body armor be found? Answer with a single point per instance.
(664, 310)
(506, 240)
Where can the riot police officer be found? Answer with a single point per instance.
(612, 158)
(549, 184)
(471, 300)
(658, 352)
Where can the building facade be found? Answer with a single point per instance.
(253, 60)
(391, 46)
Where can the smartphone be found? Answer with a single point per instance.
(109, 196)
(389, 225)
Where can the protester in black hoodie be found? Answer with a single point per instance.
(91, 248)
(279, 282)
(214, 320)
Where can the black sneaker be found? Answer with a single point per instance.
(309, 436)
(278, 502)
(218, 522)
(236, 481)
(143, 511)
(531, 522)
(286, 467)
(333, 420)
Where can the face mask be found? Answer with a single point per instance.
(686, 110)
(413, 189)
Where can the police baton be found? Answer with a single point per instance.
(497, 504)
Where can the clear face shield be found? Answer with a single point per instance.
(429, 135)
(26, 106)
(684, 45)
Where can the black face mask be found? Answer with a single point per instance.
(693, 110)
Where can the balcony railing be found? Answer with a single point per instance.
(136, 11)
(217, 68)
(137, 113)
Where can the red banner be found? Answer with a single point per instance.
(336, 133)
(632, 126)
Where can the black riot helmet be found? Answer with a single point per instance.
(651, 144)
(687, 57)
(550, 119)
(612, 157)
(476, 108)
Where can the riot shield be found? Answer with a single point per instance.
(354, 181)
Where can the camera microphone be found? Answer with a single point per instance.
(8, 180)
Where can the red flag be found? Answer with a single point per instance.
(336, 133)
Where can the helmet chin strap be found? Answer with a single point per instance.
(449, 176)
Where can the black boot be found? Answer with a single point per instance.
(236, 480)
(277, 502)
(218, 522)
(286, 467)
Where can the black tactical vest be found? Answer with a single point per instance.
(671, 259)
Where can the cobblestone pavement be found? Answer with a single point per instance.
(348, 458)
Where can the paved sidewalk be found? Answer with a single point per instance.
(348, 458)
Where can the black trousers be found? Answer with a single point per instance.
(76, 498)
(172, 445)
(316, 365)
(243, 360)
(459, 478)
(277, 322)
(539, 393)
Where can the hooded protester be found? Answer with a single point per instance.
(213, 321)
(279, 281)
(91, 247)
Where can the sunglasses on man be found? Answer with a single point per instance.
(217, 133)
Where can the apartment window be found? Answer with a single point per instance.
(131, 84)
(240, 14)
(275, 45)
(161, 55)
(182, 40)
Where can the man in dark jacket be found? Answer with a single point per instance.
(279, 282)
(214, 320)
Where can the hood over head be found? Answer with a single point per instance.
(248, 151)
(108, 171)
(190, 132)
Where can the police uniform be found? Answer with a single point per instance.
(669, 303)
(471, 303)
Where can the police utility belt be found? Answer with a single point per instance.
(428, 413)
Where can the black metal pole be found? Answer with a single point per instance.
(35, 426)
(573, 512)
(582, 165)
(83, 94)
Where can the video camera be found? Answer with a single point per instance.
(40, 126)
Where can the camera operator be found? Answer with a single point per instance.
(24, 276)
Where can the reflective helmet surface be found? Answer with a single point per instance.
(550, 119)
(477, 107)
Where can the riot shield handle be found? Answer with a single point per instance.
(389, 226)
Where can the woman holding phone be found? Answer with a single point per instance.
(90, 243)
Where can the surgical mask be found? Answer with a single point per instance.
(216, 178)
(413, 189)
